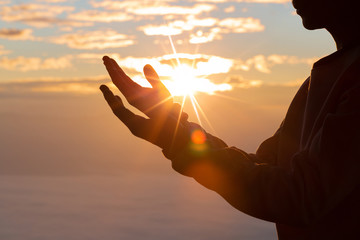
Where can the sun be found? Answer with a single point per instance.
(186, 80)
(183, 81)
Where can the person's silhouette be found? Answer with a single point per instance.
(306, 177)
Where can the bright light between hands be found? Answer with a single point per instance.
(185, 81)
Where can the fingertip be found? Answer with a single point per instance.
(103, 88)
(105, 58)
(148, 67)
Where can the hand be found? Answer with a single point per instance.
(154, 102)
(166, 126)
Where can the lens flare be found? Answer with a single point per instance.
(198, 137)
(198, 143)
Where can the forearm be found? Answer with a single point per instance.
(260, 190)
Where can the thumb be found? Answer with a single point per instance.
(153, 78)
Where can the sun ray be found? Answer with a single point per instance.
(195, 109)
(228, 97)
(186, 83)
(177, 123)
(174, 50)
(159, 103)
(203, 114)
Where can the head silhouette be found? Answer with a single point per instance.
(318, 14)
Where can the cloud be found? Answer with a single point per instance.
(84, 85)
(153, 7)
(241, 25)
(96, 55)
(203, 65)
(163, 30)
(284, 59)
(240, 82)
(193, 67)
(178, 26)
(229, 9)
(51, 1)
(101, 16)
(94, 40)
(16, 34)
(3, 51)
(259, 62)
(197, 67)
(228, 25)
(33, 64)
(211, 28)
(294, 83)
(127, 4)
(39, 15)
(175, 10)
(201, 37)
(83, 88)
(264, 64)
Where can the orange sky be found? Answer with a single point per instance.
(250, 55)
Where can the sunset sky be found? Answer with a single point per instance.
(57, 45)
(244, 59)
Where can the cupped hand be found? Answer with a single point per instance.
(154, 102)
(165, 131)
(167, 126)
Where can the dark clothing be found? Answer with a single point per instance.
(305, 178)
(319, 146)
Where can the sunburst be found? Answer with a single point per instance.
(185, 82)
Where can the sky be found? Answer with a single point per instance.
(242, 59)
(57, 45)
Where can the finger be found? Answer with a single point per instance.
(114, 103)
(119, 77)
(118, 108)
(154, 80)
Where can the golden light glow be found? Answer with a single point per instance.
(185, 81)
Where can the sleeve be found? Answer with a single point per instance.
(268, 150)
(321, 176)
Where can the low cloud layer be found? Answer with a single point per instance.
(211, 28)
(25, 64)
(94, 40)
(16, 34)
(38, 15)
(3, 51)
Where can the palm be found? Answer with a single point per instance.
(151, 101)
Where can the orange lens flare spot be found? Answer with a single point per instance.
(198, 137)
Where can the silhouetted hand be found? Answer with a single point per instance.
(166, 126)
(154, 101)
